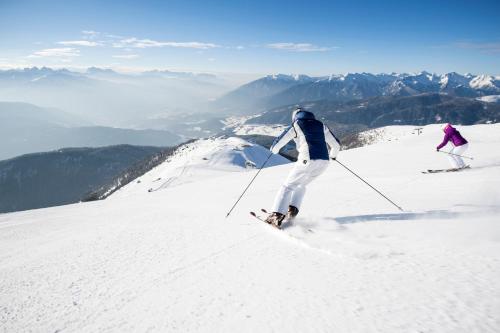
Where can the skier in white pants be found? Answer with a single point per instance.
(459, 144)
(311, 137)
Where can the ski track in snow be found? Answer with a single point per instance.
(169, 261)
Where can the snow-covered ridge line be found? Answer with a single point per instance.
(423, 74)
(483, 82)
(201, 159)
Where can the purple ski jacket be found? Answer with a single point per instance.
(451, 134)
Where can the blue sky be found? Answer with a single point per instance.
(258, 37)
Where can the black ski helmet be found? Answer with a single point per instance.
(301, 113)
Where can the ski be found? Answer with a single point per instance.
(258, 217)
(445, 170)
(437, 170)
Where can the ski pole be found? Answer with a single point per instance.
(364, 181)
(445, 152)
(241, 196)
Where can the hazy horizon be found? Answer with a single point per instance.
(141, 70)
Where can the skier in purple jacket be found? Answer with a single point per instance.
(459, 145)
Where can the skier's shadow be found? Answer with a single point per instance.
(433, 214)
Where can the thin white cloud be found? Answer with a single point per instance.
(192, 45)
(113, 36)
(299, 47)
(145, 43)
(90, 34)
(63, 52)
(126, 56)
(79, 43)
(491, 47)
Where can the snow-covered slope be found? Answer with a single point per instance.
(202, 159)
(484, 82)
(169, 259)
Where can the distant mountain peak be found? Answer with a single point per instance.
(98, 70)
(484, 82)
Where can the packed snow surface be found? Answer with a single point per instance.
(169, 260)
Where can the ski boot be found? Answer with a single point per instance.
(292, 212)
(275, 219)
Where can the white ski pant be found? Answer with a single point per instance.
(457, 161)
(293, 190)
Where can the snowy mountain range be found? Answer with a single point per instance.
(45, 74)
(422, 109)
(168, 259)
(278, 90)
